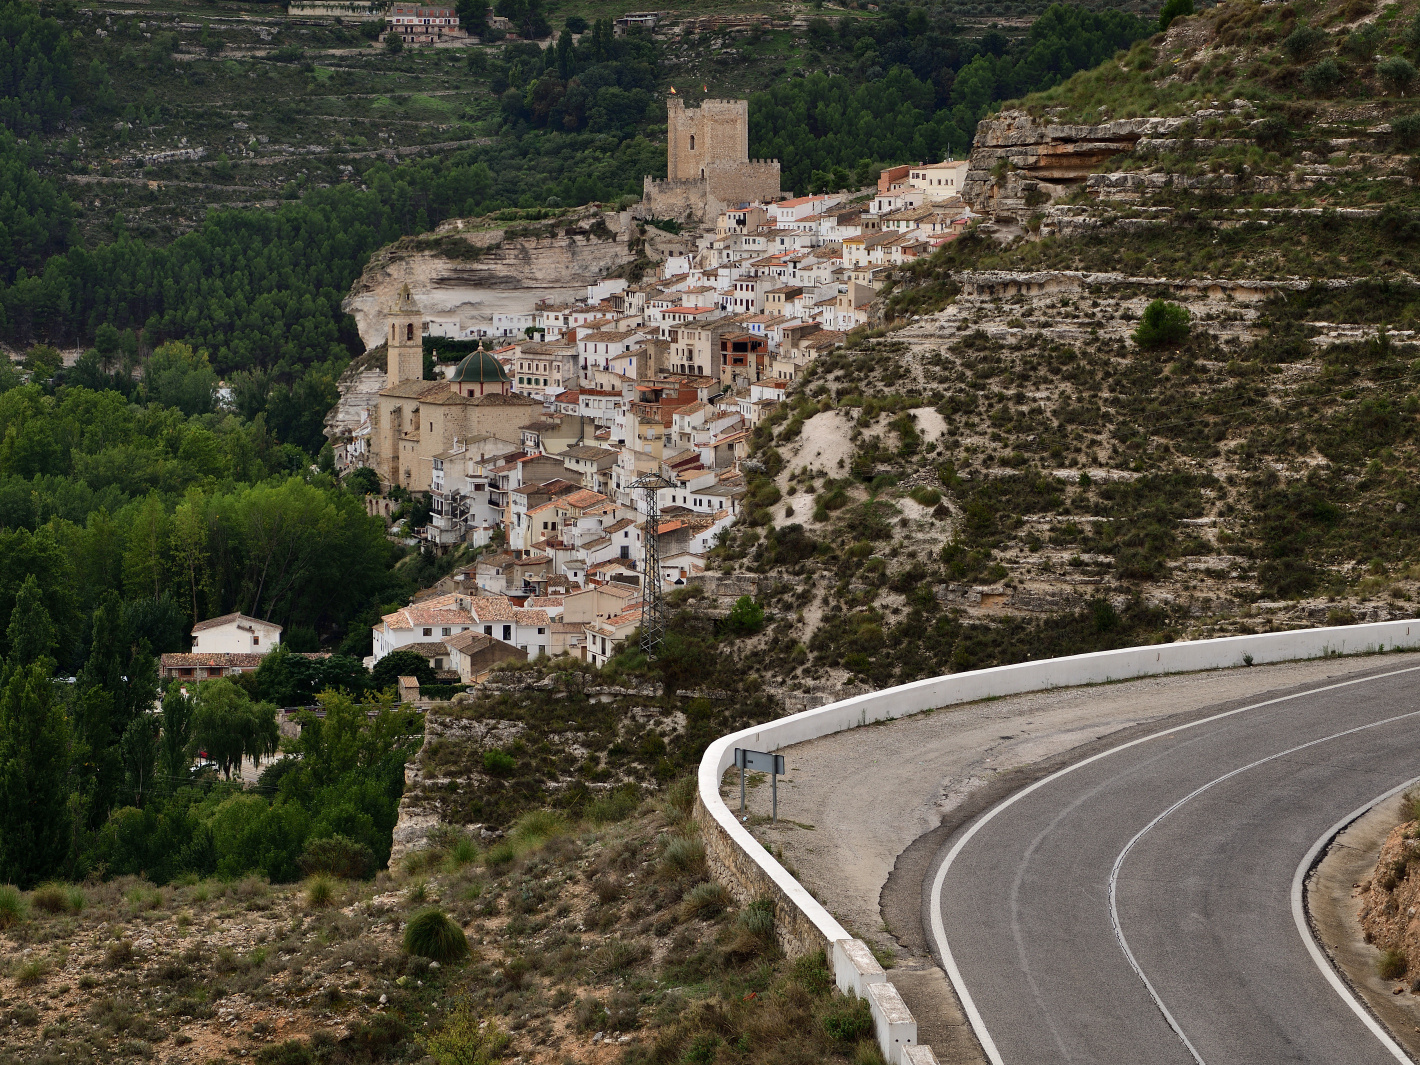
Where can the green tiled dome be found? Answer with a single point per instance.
(480, 367)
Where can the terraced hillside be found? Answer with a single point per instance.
(1013, 465)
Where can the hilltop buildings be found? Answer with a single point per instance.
(535, 444)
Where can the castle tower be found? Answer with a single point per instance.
(705, 138)
(406, 339)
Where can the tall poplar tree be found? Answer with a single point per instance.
(34, 770)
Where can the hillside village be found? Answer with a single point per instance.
(534, 445)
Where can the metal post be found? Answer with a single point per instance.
(774, 790)
(742, 792)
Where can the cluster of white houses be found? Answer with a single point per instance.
(535, 443)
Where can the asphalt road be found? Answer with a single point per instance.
(1138, 906)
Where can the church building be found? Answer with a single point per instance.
(414, 419)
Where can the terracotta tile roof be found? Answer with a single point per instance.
(217, 659)
(531, 617)
(441, 610)
(469, 643)
(585, 498)
(544, 602)
(227, 619)
(617, 526)
(427, 648)
(490, 608)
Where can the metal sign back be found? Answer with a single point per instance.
(759, 761)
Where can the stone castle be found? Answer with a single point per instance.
(707, 163)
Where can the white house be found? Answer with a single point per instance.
(432, 619)
(235, 634)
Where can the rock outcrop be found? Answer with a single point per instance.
(1019, 162)
(467, 271)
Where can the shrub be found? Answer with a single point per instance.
(1405, 130)
(320, 891)
(684, 856)
(614, 806)
(849, 1020)
(1174, 9)
(1397, 72)
(31, 972)
(1304, 42)
(746, 617)
(338, 856)
(680, 798)
(1272, 133)
(463, 1040)
(1323, 77)
(57, 898)
(430, 934)
(12, 906)
(758, 919)
(1163, 324)
(463, 852)
(705, 902)
(498, 763)
(1392, 965)
(928, 497)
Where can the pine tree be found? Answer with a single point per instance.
(31, 632)
(34, 770)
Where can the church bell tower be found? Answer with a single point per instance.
(406, 339)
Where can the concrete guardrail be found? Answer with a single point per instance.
(801, 922)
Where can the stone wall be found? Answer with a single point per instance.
(698, 139)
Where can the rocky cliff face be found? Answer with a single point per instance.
(469, 270)
(1020, 162)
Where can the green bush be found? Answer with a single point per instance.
(746, 617)
(54, 897)
(705, 902)
(1405, 130)
(498, 763)
(684, 856)
(1174, 9)
(1323, 77)
(12, 906)
(849, 1020)
(337, 856)
(464, 1040)
(1397, 72)
(616, 805)
(1304, 42)
(430, 934)
(1164, 324)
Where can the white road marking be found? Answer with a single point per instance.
(939, 932)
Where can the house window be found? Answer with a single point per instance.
(255, 640)
(428, 632)
(692, 142)
(507, 632)
(488, 630)
(446, 631)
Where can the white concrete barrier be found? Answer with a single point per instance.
(852, 970)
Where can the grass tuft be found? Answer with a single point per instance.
(430, 934)
(1392, 965)
(320, 891)
(683, 856)
(705, 902)
(12, 906)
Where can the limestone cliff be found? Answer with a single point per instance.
(1018, 161)
(468, 270)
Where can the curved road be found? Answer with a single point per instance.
(1138, 905)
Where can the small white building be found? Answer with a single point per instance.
(430, 620)
(235, 634)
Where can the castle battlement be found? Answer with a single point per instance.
(707, 161)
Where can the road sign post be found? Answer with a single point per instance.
(760, 762)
